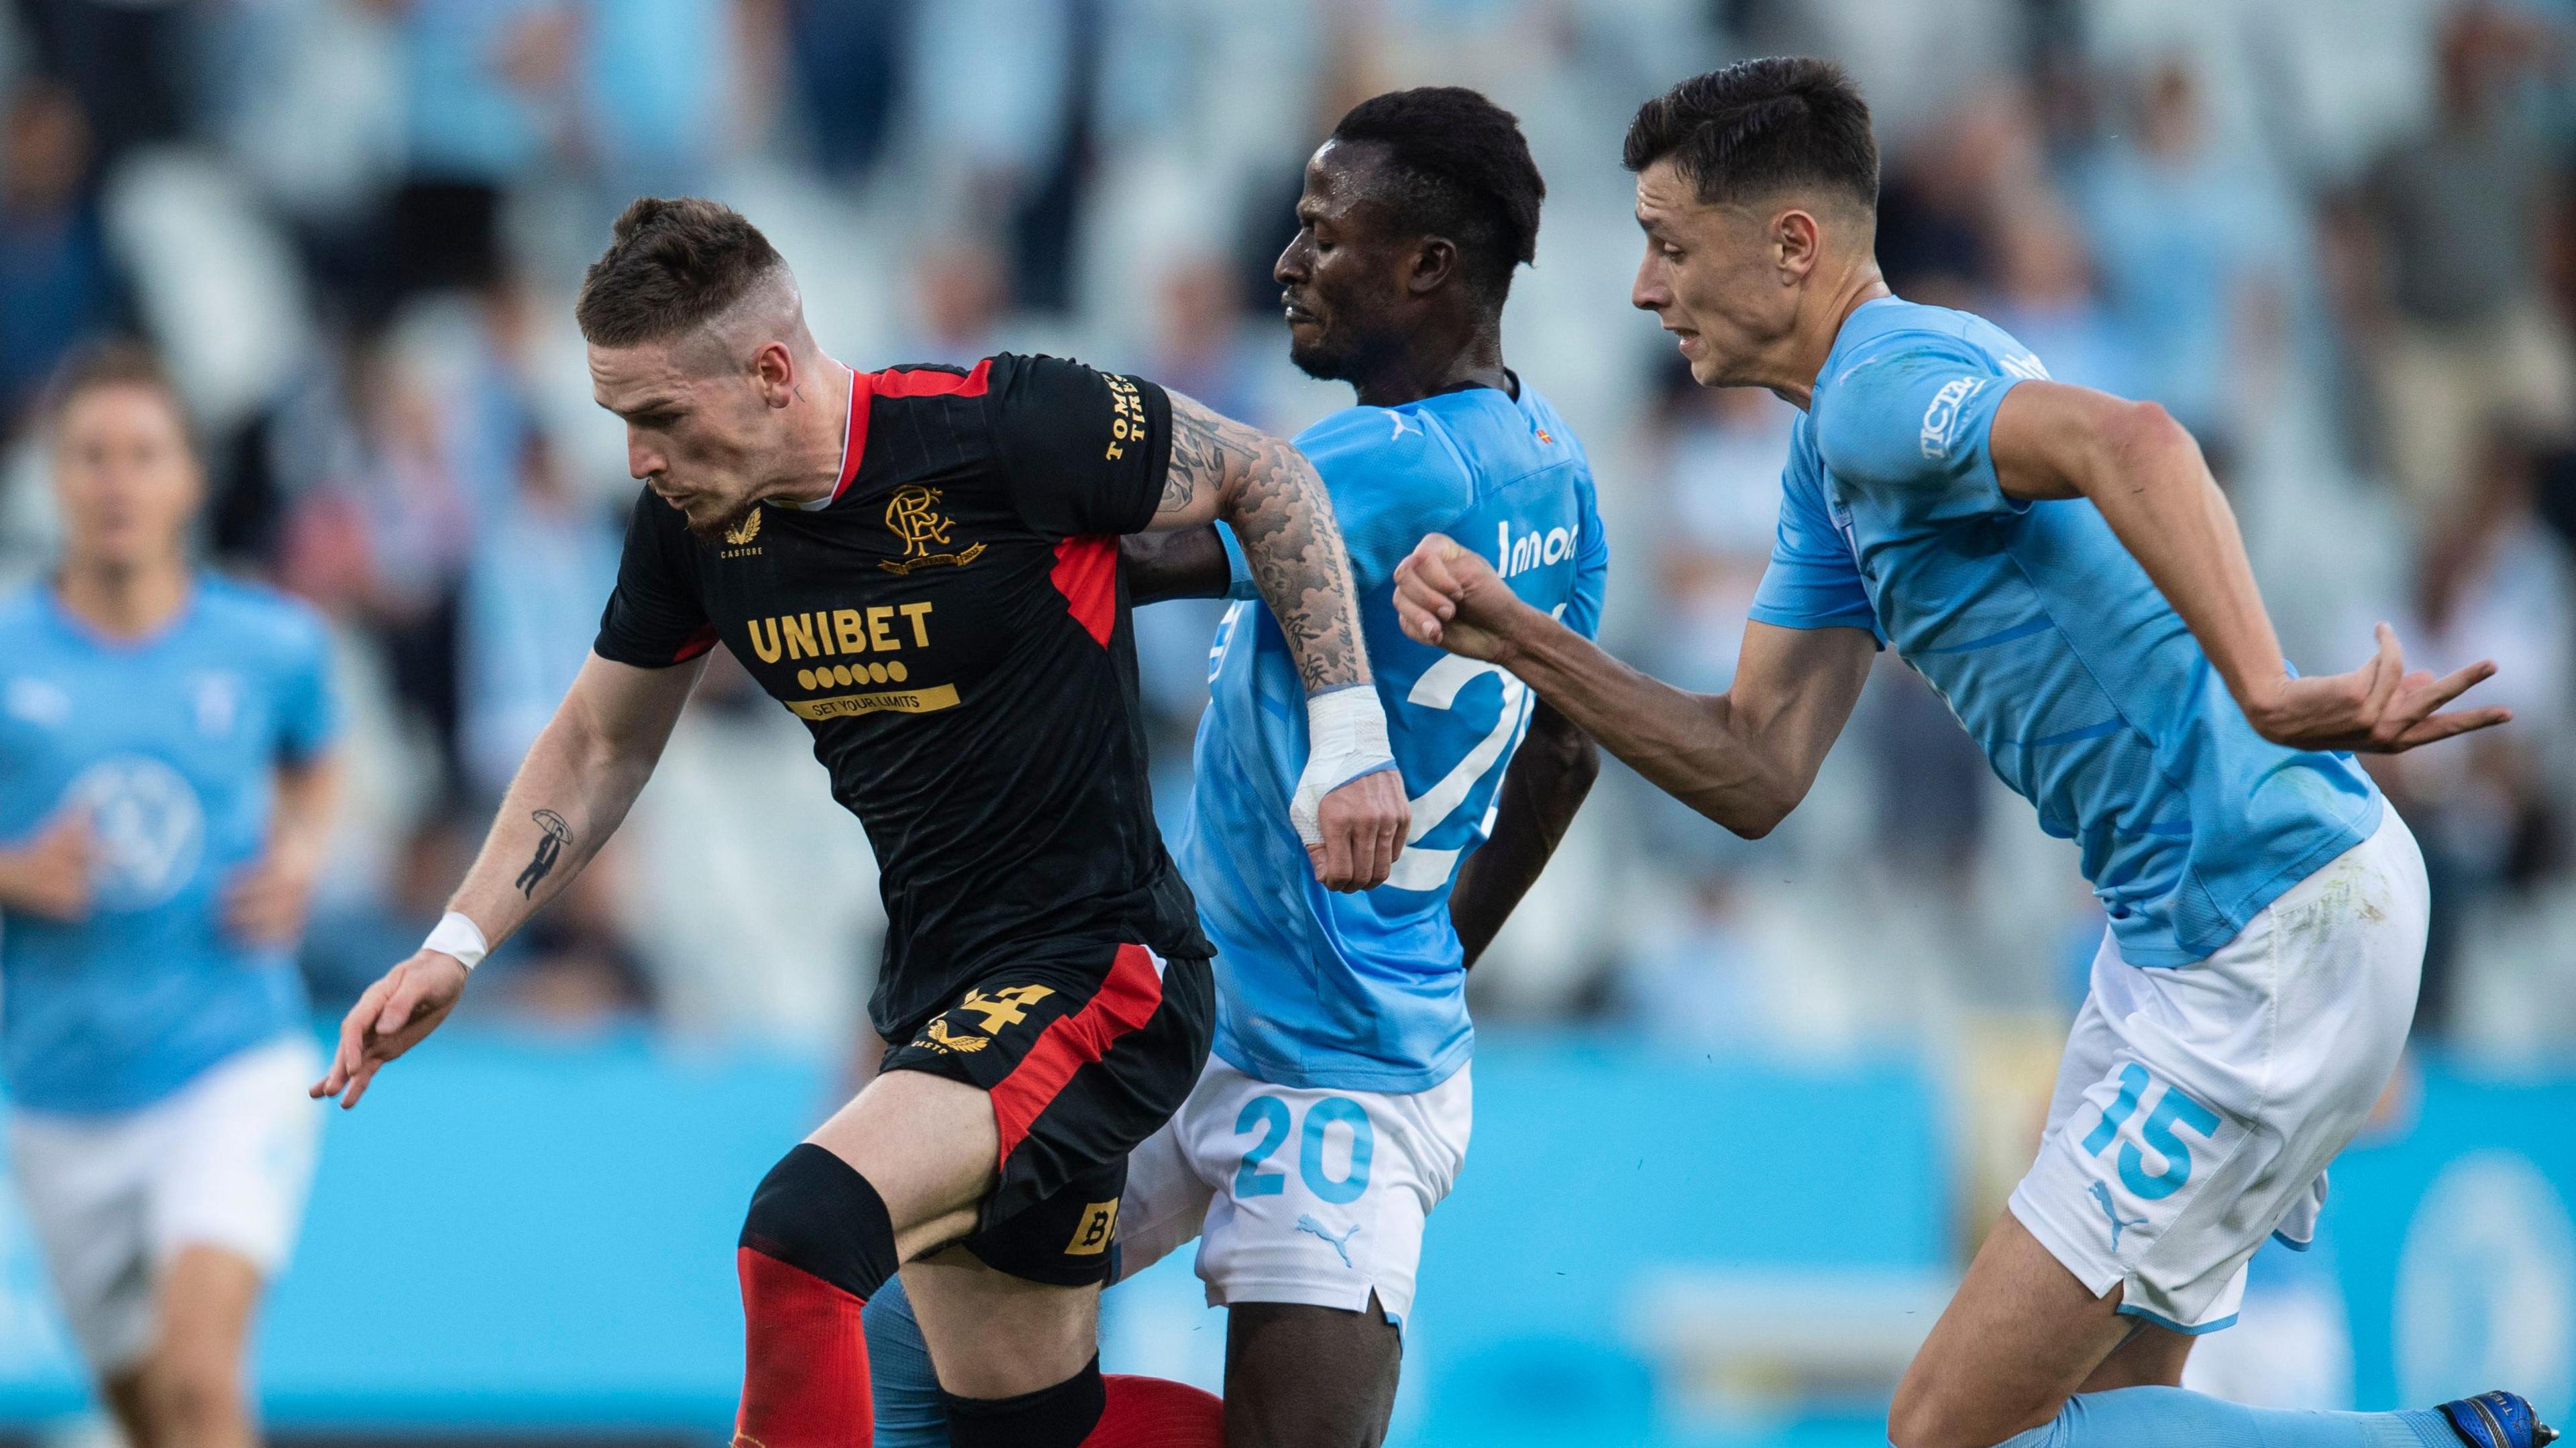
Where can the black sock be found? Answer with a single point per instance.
(1057, 1417)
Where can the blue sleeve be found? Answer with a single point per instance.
(1907, 430)
(308, 706)
(1238, 573)
(1392, 481)
(1591, 567)
(1813, 581)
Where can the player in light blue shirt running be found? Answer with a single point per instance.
(166, 778)
(2062, 568)
(1335, 1112)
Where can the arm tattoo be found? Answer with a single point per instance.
(1271, 496)
(549, 846)
(1206, 450)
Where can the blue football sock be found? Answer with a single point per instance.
(909, 1411)
(2141, 1417)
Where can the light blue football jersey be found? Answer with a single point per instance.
(1367, 992)
(169, 745)
(2087, 693)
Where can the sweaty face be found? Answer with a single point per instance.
(1711, 275)
(125, 477)
(695, 437)
(1342, 276)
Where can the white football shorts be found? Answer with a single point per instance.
(1296, 1194)
(2197, 1107)
(224, 1162)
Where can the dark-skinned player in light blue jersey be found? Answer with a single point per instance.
(2063, 569)
(1335, 1113)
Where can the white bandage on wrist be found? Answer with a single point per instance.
(459, 936)
(1345, 738)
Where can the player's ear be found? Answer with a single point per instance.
(773, 371)
(1797, 243)
(1434, 262)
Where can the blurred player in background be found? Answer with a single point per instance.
(922, 563)
(2060, 564)
(166, 784)
(1335, 1114)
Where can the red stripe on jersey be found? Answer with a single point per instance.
(699, 642)
(1126, 1000)
(935, 382)
(1086, 573)
(854, 435)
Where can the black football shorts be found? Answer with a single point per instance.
(1086, 1051)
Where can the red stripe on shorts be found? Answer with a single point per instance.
(1125, 1001)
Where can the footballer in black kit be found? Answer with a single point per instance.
(922, 563)
(950, 625)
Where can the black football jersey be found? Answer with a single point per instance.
(951, 627)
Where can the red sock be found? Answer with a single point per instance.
(1157, 1413)
(805, 1368)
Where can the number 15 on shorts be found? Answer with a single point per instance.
(2161, 1131)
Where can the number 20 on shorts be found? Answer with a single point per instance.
(1269, 1115)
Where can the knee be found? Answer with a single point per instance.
(1913, 1418)
(1277, 1353)
(816, 1214)
(193, 1396)
(1923, 1417)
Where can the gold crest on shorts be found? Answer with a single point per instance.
(993, 1012)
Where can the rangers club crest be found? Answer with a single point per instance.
(913, 515)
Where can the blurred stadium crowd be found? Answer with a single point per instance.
(2333, 236)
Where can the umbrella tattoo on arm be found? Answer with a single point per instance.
(549, 848)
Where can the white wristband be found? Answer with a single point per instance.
(459, 936)
(1345, 738)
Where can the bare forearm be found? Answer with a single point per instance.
(19, 877)
(2151, 485)
(566, 800)
(1280, 512)
(1686, 744)
(308, 800)
(1551, 774)
(580, 777)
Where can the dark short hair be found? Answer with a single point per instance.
(1784, 122)
(1461, 170)
(673, 263)
(113, 362)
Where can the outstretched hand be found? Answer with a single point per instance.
(1450, 597)
(2378, 708)
(391, 1018)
